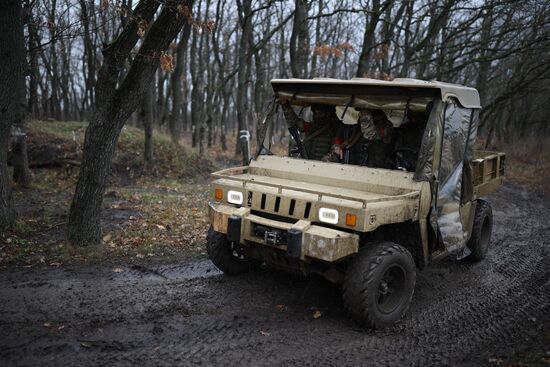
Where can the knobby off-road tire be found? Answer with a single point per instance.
(227, 256)
(379, 284)
(481, 231)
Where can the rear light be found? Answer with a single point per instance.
(218, 194)
(351, 220)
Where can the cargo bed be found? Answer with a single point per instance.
(488, 171)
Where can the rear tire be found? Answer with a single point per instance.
(481, 231)
(228, 256)
(379, 284)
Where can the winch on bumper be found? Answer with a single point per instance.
(300, 239)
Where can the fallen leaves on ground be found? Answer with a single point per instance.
(150, 210)
(280, 308)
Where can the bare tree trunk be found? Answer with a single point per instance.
(21, 172)
(114, 107)
(176, 84)
(89, 55)
(299, 40)
(369, 39)
(313, 70)
(12, 82)
(146, 115)
(245, 20)
(32, 28)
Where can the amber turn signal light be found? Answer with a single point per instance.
(218, 194)
(351, 220)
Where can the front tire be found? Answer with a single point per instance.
(379, 284)
(228, 256)
(481, 231)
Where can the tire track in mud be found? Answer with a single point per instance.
(462, 314)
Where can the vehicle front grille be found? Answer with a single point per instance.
(279, 205)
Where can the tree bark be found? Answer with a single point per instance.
(21, 172)
(369, 40)
(114, 107)
(12, 69)
(299, 40)
(176, 84)
(146, 115)
(244, 60)
(89, 55)
(32, 29)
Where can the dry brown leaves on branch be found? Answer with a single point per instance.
(381, 51)
(166, 62)
(379, 76)
(142, 27)
(207, 26)
(328, 50)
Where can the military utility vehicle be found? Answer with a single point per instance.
(381, 178)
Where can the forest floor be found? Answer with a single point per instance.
(149, 295)
(152, 211)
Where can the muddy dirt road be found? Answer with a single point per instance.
(463, 314)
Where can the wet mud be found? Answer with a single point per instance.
(495, 312)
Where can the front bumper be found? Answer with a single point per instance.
(301, 239)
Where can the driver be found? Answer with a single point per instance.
(319, 134)
(377, 133)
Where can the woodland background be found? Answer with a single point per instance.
(216, 74)
(166, 84)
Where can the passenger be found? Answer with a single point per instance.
(318, 134)
(377, 133)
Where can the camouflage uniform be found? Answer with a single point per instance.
(325, 119)
(377, 133)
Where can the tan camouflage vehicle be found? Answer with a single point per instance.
(381, 178)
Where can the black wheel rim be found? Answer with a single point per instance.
(391, 289)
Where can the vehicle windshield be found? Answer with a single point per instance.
(373, 137)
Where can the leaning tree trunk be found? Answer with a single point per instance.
(115, 105)
(12, 64)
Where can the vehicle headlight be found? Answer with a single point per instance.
(235, 197)
(328, 215)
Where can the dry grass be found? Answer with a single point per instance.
(152, 211)
(528, 163)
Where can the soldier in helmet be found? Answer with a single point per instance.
(320, 133)
(377, 133)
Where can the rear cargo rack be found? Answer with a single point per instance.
(229, 173)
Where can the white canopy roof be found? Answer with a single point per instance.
(468, 97)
